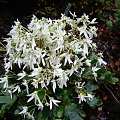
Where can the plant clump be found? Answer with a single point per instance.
(53, 63)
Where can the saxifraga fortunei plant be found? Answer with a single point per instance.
(53, 63)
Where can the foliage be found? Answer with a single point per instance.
(52, 67)
(111, 15)
(95, 8)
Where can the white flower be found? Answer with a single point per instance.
(5, 81)
(8, 65)
(52, 100)
(33, 43)
(94, 70)
(57, 71)
(22, 75)
(83, 31)
(43, 84)
(62, 80)
(88, 62)
(92, 31)
(30, 59)
(32, 96)
(24, 111)
(40, 54)
(36, 72)
(73, 14)
(74, 67)
(81, 98)
(35, 83)
(19, 61)
(90, 96)
(54, 85)
(82, 70)
(32, 40)
(35, 96)
(67, 57)
(79, 85)
(29, 116)
(101, 61)
(8, 46)
(26, 85)
(85, 49)
(17, 88)
(85, 18)
(10, 92)
(60, 44)
(40, 105)
(93, 21)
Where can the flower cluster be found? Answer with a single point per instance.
(50, 55)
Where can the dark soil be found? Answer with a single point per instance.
(107, 41)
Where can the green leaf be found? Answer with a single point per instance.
(7, 103)
(109, 24)
(44, 114)
(1, 113)
(95, 102)
(102, 71)
(65, 94)
(41, 94)
(73, 112)
(4, 99)
(90, 86)
(87, 73)
(112, 80)
(107, 76)
(59, 111)
(17, 111)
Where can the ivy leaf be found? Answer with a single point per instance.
(107, 76)
(112, 80)
(95, 102)
(73, 112)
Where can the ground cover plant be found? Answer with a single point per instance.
(112, 16)
(54, 67)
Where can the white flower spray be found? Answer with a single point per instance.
(52, 53)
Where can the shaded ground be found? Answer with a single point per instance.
(107, 41)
